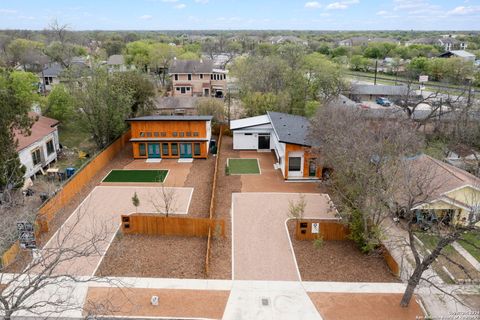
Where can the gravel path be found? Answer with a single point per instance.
(201, 179)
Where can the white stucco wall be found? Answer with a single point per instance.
(247, 138)
(25, 154)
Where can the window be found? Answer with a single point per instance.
(165, 149)
(189, 76)
(195, 134)
(177, 88)
(201, 75)
(196, 149)
(142, 134)
(50, 147)
(182, 90)
(36, 157)
(149, 134)
(174, 134)
(294, 163)
(174, 149)
(181, 134)
(188, 88)
(188, 134)
(163, 134)
(176, 77)
(211, 77)
(142, 151)
(156, 134)
(247, 134)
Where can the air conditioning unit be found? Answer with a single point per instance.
(154, 300)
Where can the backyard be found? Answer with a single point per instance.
(243, 166)
(136, 176)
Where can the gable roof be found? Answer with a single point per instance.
(42, 127)
(53, 70)
(290, 128)
(171, 118)
(458, 53)
(249, 122)
(191, 66)
(379, 90)
(116, 59)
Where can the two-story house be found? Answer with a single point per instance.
(38, 149)
(156, 137)
(197, 78)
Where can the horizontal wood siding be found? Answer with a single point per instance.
(171, 226)
(391, 262)
(329, 230)
(169, 127)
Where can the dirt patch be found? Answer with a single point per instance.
(364, 306)
(155, 256)
(201, 179)
(338, 261)
(173, 303)
(221, 254)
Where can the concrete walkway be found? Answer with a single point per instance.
(464, 253)
(261, 247)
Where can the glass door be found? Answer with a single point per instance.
(154, 150)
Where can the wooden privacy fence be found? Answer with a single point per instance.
(171, 226)
(312, 229)
(212, 201)
(70, 189)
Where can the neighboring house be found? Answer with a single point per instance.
(364, 92)
(286, 135)
(116, 62)
(364, 41)
(179, 105)
(156, 137)
(467, 56)
(50, 76)
(287, 39)
(452, 194)
(197, 78)
(447, 43)
(38, 149)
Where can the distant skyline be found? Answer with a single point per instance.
(242, 14)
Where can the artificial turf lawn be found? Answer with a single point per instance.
(243, 166)
(136, 176)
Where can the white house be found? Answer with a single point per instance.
(38, 149)
(284, 134)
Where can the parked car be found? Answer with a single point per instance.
(383, 102)
(363, 105)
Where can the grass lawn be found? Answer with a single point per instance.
(474, 238)
(243, 166)
(136, 176)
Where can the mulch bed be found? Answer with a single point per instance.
(201, 179)
(338, 261)
(155, 256)
(221, 250)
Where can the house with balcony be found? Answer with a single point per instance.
(39, 148)
(197, 78)
(170, 137)
(286, 136)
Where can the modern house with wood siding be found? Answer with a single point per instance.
(169, 137)
(284, 134)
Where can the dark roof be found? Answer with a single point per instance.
(290, 128)
(42, 127)
(174, 118)
(191, 66)
(53, 70)
(379, 90)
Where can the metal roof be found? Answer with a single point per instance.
(290, 128)
(53, 70)
(116, 59)
(249, 122)
(172, 118)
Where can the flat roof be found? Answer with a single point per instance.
(171, 118)
(249, 122)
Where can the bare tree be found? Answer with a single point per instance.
(166, 201)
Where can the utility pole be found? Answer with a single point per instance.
(229, 104)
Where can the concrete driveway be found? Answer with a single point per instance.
(261, 247)
(92, 226)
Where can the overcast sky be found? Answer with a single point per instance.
(242, 14)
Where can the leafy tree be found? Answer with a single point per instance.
(141, 89)
(138, 54)
(212, 107)
(418, 66)
(113, 46)
(161, 55)
(258, 103)
(14, 108)
(25, 85)
(27, 53)
(102, 107)
(60, 104)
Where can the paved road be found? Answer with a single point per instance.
(261, 246)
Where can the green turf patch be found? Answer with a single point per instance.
(243, 166)
(471, 237)
(136, 176)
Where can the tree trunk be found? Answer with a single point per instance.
(412, 284)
